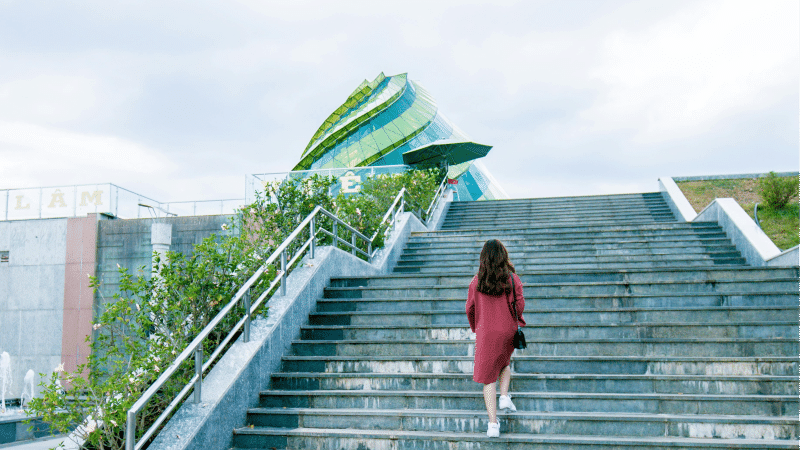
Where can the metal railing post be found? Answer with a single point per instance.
(335, 233)
(353, 243)
(130, 431)
(283, 273)
(403, 202)
(313, 238)
(198, 370)
(369, 251)
(246, 332)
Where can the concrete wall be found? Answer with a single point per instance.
(46, 303)
(128, 243)
(32, 296)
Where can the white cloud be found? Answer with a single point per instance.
(48, 98)
(700, 66)
(33, 156)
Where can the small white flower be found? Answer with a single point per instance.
(59, 368)
(113, 423)
(156, 369)
(97, 326)
(138, 308)
(224, 226)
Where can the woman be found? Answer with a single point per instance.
(492, 320)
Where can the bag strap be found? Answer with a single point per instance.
(514, 303)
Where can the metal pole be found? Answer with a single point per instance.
(335, 233)
(283, 273)
(246, 332)
(130, 431)
(369, 251)
(402, 202)
(353, 243)
(198, 370)
(313, 238)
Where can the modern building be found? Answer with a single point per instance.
(394, 121)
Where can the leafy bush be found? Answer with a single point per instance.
(776, 192)
(153, 318)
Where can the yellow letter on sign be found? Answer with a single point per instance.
(57, 200)
(19, 203)
(86, 197)
(351, 183)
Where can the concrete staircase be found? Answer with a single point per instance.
(643, 333)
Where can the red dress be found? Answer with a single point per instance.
(491, 319)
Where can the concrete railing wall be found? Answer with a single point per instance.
(754, 245)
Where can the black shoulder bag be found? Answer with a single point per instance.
(519, 337)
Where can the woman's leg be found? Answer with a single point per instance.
(490, 397)
(505, 380)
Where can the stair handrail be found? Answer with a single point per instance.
(243, 294)
(437, 197)
(397, 208)
(399, 203)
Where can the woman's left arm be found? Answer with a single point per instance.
(520, 300)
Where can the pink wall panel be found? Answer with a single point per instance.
(78, 296)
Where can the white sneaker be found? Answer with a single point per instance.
(494, 430)
(506, 403)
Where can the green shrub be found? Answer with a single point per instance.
(776, 192)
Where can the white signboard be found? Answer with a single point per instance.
(62, 201)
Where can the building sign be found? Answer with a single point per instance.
(351, 183)
(346, 181)
(62, 201)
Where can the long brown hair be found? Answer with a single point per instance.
(495, 269)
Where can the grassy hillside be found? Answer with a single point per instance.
(782, 226)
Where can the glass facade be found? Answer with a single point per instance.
(383, 119)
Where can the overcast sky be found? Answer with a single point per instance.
(179, 100)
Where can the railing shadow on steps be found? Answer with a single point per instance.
(242, 296)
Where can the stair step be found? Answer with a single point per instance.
(564, 316)
(726, 347)
(578, 330)
(580, 302)
(634, 275)
(597, 264)
(526, 382)
(761, 405)
(331, 438)
(585, 229)
(537, 423)
(656, 365)
(537, 290)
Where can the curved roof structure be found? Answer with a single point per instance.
(393, 120)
